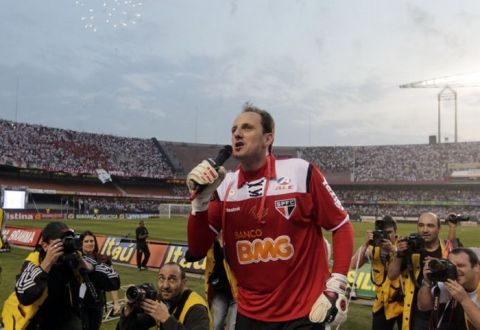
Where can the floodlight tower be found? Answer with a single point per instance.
(447, 93)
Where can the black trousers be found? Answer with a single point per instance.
(142, 248)
(91, 317)
(245, 323)
(380, 322)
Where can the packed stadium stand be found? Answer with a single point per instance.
(60, 167)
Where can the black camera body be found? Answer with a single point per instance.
(71, 246)
(137, 293)
(442, 270)
(378, 236)
(416, 243)
(456, 218)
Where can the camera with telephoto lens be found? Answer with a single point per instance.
(379, 234)
(415, 242)
(456, 218)
(442, 270)
(137, 293)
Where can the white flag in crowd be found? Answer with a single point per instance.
(103, 175)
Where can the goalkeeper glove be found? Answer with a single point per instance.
(204, 174)
(332, 305)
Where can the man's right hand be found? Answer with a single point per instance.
(402, 247)
(368, 237)
(426, 271)
(54, 251)
(204, 174)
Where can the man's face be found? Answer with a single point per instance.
(248, 140)
(170, 283)
(141, 224)
(427, 226)
(465, 271)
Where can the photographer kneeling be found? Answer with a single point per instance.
(53, 279)
(451, 288)
(173, 307)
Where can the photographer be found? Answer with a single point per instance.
(174, 308)
(379, 248)
(52, 279)
(411, 255)
(455, 286)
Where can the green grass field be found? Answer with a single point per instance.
(174, 230)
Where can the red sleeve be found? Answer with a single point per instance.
(328, 209)
(331, 216)
(342, 248)
(203, 228)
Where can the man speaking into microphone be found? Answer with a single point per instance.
(271, 214)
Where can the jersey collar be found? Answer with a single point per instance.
(266, 171)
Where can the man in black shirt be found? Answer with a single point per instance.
(141, 234)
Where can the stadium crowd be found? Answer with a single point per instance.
(73, 152)
(59, 150)
(412, 194)
(410, 211)
(394, 162)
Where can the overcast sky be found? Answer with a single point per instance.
(328, 71)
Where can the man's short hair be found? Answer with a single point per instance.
(389, 221)
(433, 214)
(173, 263)
(54, 230)
(472, 256)
(268, 124)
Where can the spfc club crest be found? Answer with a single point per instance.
(286, 207)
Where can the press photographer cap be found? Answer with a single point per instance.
(55, 230)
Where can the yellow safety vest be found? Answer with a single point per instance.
(209, 265)
(17, 316)
(385, 292)
(410, 286)
(194, 299)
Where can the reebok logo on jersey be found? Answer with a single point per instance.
(264, 250)
(286, 207)
(232, 209)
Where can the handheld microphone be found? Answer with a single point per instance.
(221, 158)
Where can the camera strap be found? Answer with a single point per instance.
(89, 285)
(372, 277)
(361, 254)
(411, 272)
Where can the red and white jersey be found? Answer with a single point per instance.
(279, 258)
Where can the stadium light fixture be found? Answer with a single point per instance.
(447, 85)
